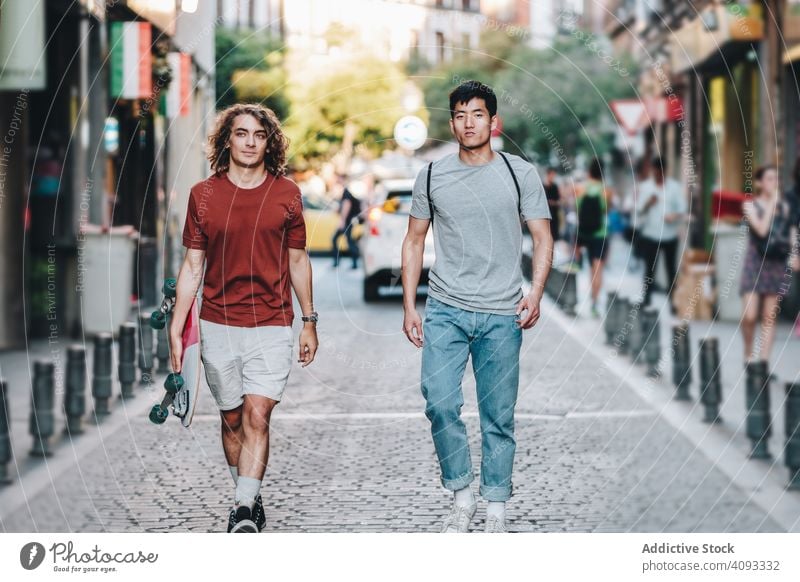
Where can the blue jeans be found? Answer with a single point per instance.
(493, 341)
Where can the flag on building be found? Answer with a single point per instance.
(131, 61)
(180, 89)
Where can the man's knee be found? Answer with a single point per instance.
(443, 411)
(232, 419)
(257, 413)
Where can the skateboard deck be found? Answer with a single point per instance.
(181, 388)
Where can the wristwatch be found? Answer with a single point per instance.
(313, 317)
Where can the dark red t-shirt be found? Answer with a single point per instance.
(247, 234)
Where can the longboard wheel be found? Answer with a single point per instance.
(158, 320)
(169, 289)
(158, 414)
(173, 383)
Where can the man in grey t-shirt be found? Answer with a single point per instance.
(474, 200)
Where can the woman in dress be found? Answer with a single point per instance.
(768, 267)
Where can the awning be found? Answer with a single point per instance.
(716, 36)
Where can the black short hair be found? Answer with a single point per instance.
(596, 169)
(469, 90)
(659, 164)
(552, 169)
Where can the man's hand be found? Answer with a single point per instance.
(412, 327)
(529, 304)
(175, 347)
(308, 344)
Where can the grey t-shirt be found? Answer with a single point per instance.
(476, 230)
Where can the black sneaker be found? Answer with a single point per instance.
(240, 521)
(258, 514)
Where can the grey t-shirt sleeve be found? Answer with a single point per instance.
(419, 197)
(534, 201)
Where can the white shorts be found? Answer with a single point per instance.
(245, 360)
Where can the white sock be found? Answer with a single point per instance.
(247, 491)
(464, 497)
(497, 508)
(234, 474)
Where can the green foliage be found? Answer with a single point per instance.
(357, 101)
(552, 101)
(250, 69)
(555, 101)
(482, 65)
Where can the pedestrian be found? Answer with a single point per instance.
(553, 193)
(629, 233)
(349, 211)
(793, 198)
(769, 262)
(660, 211)
(245, 222)
(474, 201)
(592, 202)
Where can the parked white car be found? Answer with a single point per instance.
(382, 242)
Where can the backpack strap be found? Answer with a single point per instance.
(510, 169)
(430, 202)
(516, 183)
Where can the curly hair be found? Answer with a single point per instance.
(219, 155)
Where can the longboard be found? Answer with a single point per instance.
(181, 387)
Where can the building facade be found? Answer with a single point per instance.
(95, 145)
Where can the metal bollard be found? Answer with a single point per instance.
(682, 362)
(621, 336)
(162, 351)
(126, 369)
(101, 379)
(145, 351)
(652, 342)
(5, 440)
(569, 294)
(42, 422)
(75, 397)
(710, 385)
(610, 324)
(636, 334)
(792, 428)
(759, 423)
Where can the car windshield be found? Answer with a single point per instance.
(399, 202)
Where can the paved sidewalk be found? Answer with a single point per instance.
(784, 363)
(351, 449)
(16, 367)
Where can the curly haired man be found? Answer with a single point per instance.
(245, 225)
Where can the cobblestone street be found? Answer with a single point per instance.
(351, 449)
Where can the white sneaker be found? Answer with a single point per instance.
(459, 518)
(495, 525)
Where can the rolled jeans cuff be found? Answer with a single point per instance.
(495, 493)
(458, 482)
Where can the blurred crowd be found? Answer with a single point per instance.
(651, 216)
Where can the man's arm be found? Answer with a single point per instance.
(413, 252)
(542, 261)
(188, 283)
(300, 278)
